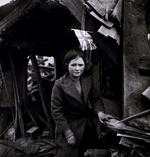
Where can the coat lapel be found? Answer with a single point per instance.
(70, 89)
(86, 86)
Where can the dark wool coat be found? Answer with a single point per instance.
(71, 112)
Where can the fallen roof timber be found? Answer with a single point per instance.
(18, 12)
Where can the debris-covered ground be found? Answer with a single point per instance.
(43, 147)
(117, 140)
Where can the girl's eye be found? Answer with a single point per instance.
(73, 65)
(77, 65)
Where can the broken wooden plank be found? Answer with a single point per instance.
(4, 151)
(99, 6)
(112, 32)
(125, 129)
(6, 130)
(117, 12)
(16, 113)
(128, 142)
(42, 119)
(33, 119)
(13, 145)
(49, 142)
(20, 147)
(106, 23)
(134, 137)
(134, 116)
(32, 132)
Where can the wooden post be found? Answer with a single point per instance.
(40, 86)
(20, 117)
(7, 92)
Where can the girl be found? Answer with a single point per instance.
(74, 101)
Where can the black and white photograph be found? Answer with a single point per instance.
(74, 78)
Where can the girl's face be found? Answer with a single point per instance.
(76, 67)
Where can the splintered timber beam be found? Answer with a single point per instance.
(20, 117)
(39, 81)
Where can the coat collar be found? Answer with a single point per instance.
(69, 88)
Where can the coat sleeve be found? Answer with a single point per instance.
(58, 108)
(96, 101)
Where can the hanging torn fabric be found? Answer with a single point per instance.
(85, 40)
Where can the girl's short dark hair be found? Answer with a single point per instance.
(72, 54)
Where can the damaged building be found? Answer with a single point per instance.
(34, 38)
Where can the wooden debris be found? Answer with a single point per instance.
(97, 153)
(20, 117)
(128, 142)
(10, 134)
(117, 12)
(42, 119)
(27, 147)
(97, 7)
(135, 147)
(6, 130)
(52, 143)
(44, 148)
(121, 128)
(134, 116)
(33, 119)
(13, 145)
(102, 7)
(45, 134)
(32, 132)
(134, 137)
(106, 23)
(106, 12)
(112, 32)
(4, 152)
(16, 113)
(146, 93)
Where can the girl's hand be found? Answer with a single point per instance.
(104, 117)
(71, 139)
